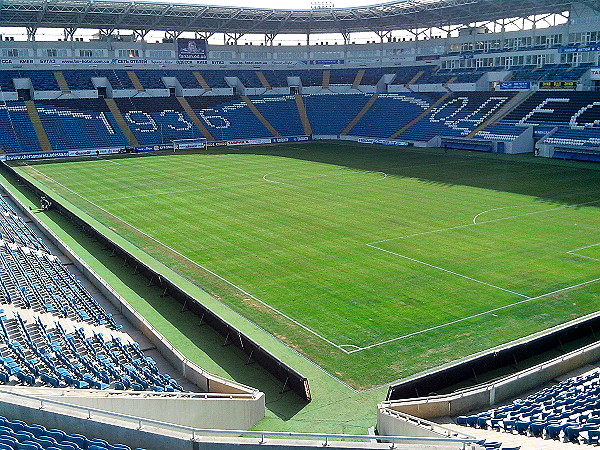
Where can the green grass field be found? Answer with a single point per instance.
(374, 263)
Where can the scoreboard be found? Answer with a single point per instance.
(558, 85)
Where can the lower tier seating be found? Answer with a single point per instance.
(568, 411)
(18, 435)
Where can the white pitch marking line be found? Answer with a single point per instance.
(385, 175)
(197, 264)
(583, 248)
(271, 181)
(448, 271)
(484, 222)
(574, 252)
(110, 161)
(350, 345)
(477, 315)
(500, 209)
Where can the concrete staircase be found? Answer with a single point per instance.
(303, 116)
(40, 132)
(116, 112)
(201, 81)
(135, 81)
(414, 79)
(263, 80)
(259, 116)
(359, 116)
(358, 78)
(62, 83)
(192, 115)
(326, 76)
(420, 116)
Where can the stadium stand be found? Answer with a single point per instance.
(330, 113)
(79, 124)
(227, 119)
(157, 120)
(16, 434)
(281, 113)
(569, 118)
(54, 333)
(390, 112)
(568, 411)
(459, 115)
(42, 300)
(19, 134)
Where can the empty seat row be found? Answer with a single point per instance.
(19, 435)
(568, 411)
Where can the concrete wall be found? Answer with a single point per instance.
(487, 395)
(153, 435)
(394, 423)
(225, 413)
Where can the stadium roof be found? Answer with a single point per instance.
(139, 15)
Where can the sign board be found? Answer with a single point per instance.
(558, 85)
(389, 142)
(191, 49)
(589, 48)
(515, 85)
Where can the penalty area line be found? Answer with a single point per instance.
(448, 271)
(500, 308)
(304, 327)
(574, 252)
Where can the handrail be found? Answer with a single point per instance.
(435, 427)
(197, 432)
(130, 393)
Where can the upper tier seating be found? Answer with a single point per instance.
(568, 411)
(42, 80)
(81, 79)
(549, 72)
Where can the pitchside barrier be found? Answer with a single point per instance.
(291, 379)
(181, 144)
(515, 357)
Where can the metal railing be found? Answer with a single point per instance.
(193, 434)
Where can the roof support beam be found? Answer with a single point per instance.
(235, 37)
(31, 33)
(269, 38)
(172, 34)
(140, 35)
(69, 33)
(202, 35)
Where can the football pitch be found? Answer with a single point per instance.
(374, 263)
